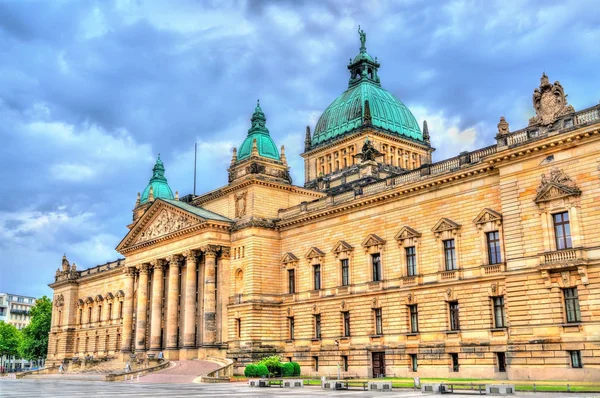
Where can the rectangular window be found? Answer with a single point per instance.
(345, 272)
(291, 281)
(318, 326)
(109, 311)
(414, 318)
(99, 313)
(291, 327)
(345, 362)
(493, 246)
(501, 357)
(454, 358)
(575, 359)
(120, 310)
(376, 261)
(90, 315)
(411, 261)
(499, 312)
(316, 363)
(454, 319)
(450, 255)
(238, 327)
(346, 323)
(317, 276)
(572, 305)
(562, 230)
(80, 316)
(413, 362)
(378, 321)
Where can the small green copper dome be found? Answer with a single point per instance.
(347, 112)
(158, 182)
(259, 132)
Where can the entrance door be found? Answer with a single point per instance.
(378, 364)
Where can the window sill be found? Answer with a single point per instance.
(289, 341)
(500, 329)
(315, 339)
(412, 334)
(375, 336)
(452, 331)
(574, 325)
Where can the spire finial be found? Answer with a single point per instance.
(425, 132)
(307, 139)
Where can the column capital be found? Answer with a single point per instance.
(225, 252)
(129, 272)
(173, 260)
(210, 250)
(189, 254)
(144, 268)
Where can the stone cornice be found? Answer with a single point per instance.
(220, 192)
(511, 154)
(405, 189)
(90, 277)
(370, 131)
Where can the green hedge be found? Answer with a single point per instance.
(296, 368)
(261, 370)
(250, 370)
(287, 369)
(272, 366)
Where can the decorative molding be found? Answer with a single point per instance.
(240, 204)
(341, 247)
(288, 258)
(120, 294)
(344, 307)
(254, 222)
(109, 296)
(315, 309)
(583, 274)
(546, 278)
(496, 290)
(407, 232)
(314, 252)
(443, 225)
(450, 295)
(99, 298)
(411, 298)
(372, 240)
(549, 102)
(59, 301)
(89, 300)
(487, 215)
(557, 186)
(375, 303)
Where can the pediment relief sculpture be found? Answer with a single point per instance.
(373, 240)
(443, 225)
(341, 247)
(556, 186)
(407, 232)
(314, 252)
(289, 258)
(488, 215)
(549, 102)
(164, 223)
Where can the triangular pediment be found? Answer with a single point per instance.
(373, 240)
(445, 224)
(163, 219)
(342, 246)
(289, 258)
(407, 232)
(314, 252)
(487, 215)
(551, 191)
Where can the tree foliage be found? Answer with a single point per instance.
(35, 335)
(10, 340)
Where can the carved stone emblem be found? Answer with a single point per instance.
(165, 223)
(549, 102)
(59, 301)
(409, 298)
(240, 204)
(494, 288)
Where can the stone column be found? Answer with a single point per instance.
(128, 309)
(142, 308)
(173, 296)
(157, 292)
(223, 284)
(190, 299)
(209, 330)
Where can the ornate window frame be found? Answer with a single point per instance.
(446, 229)
(373, 244)
(315, 256)
(489, 220)
(290, 261)
(343, 251)
(408, 237)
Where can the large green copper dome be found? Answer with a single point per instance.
(259, 132)
(158, 182)
(348, 111)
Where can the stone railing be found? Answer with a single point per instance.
(448, 275)
(492, 268)
(562, 256)
(220, 375)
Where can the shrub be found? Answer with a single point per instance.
(250, 370)
(273, 364)
(287, 369)
(261, 370)
(296, 368)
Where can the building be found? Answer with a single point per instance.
(15, 309)
(482, 265)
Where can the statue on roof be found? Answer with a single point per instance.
(363, 37)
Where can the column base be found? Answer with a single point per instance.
(171, 354)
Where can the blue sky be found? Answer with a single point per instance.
(91, 91)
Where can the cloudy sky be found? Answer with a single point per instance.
(92, 91)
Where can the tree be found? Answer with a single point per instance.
(35, 335)
(10, 340)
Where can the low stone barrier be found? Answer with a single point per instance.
(431, 387)
(130, 375)
(499, 389)
(43, 371)
(380, 386)
(283, 383)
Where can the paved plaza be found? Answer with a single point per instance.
(74, 389)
